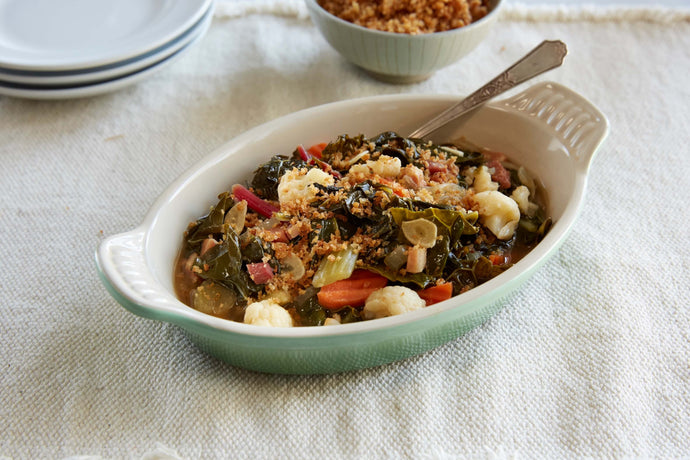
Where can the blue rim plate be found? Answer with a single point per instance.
(98, 87)
(44, 35)
(28, 79)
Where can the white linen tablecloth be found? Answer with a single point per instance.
(589, 358)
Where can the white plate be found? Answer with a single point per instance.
(98, 74)
(102, 87)
(51, 35)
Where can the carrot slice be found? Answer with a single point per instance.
(397, 189)
(352, 291)
(317, 149)
(436, 294)
(497, 259)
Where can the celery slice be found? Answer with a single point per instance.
(335, 267)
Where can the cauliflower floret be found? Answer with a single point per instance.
(359, 169)
(497, 212)
(482, 180)
(391, 300)
(385, 166)
(267, 313)
(521, 197)
(468, 175)
(296, 184)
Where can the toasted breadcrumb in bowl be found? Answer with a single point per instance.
(407, 41)
(550, 130)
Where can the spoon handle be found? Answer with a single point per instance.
(546, 56)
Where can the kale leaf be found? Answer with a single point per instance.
(344, 144)
(392, 144)
(267, 176)
(223, 263)
(307, 306)
(211, 224)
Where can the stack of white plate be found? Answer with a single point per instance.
(73, 48)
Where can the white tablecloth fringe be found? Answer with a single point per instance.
(512, 12)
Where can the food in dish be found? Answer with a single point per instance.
(136, 266)
(359, 229)
(408, 16)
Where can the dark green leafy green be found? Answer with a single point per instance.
(344, 144)
(459, 221)
(531, 229)
(251, 248)
(267, 176)
(475, 269)
(393, 145)
(360, 192)
(437, 256)
(377, 224)
(451, 225)
(211, 225)
(349, 315)
(461, 254)
(223, 263)
(324, 229)
(307, 306)
(422, 280)
(484, 269)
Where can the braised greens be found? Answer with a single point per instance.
(397, 226)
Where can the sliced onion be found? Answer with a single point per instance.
(357, 157)
(236, 215)
(452, 150)
(526, 180)
(213, 299)
(294, 266)
(420, 232)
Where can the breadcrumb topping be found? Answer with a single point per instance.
(408, 16)
(413, 214)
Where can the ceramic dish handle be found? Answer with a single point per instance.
(574, 120)
(124, 271)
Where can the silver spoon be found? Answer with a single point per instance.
(546, 56)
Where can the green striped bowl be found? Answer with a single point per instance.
(400, 58)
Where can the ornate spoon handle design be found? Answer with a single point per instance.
(546, 56)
